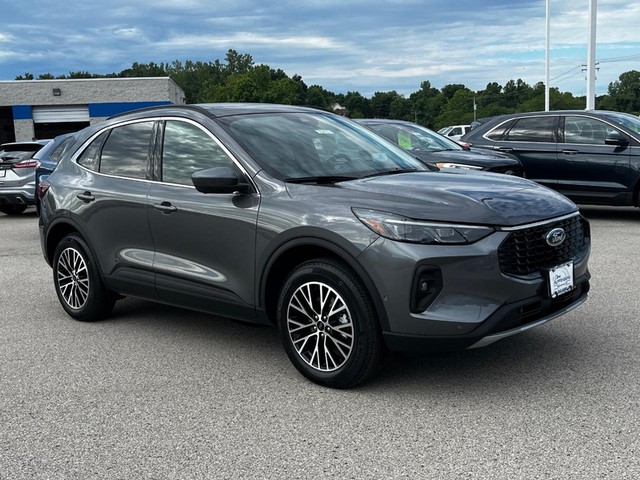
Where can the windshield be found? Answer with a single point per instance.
(414, 137)
(629, 121)
(293, 146)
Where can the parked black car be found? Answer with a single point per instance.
(592, 157)
(435, 149)
(300, 218)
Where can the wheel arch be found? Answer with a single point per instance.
(56, 232)
(295, 252)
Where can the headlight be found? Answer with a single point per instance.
(457, 165)
(402, 229)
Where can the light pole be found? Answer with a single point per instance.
(591, 60)
(546, 68)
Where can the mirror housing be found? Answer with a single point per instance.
(616, 138)
(219, 180)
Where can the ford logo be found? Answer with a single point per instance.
(555, 237)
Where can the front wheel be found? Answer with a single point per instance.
(328, 325)
(78, 284)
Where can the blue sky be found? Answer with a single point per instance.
(343, 45)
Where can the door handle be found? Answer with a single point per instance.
(165, 207)
(570, 152)
(86, 197)
(504, 149)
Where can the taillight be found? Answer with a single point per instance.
(43, 186)
(27, 164)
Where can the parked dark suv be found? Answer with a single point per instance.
(592, 157)
(300, 218)
(434, 149)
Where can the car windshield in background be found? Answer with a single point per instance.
(414, 138)
(629, 121)
(293, 146)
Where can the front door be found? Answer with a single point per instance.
(204, 243)
(595, 172)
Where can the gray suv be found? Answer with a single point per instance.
(299, 218)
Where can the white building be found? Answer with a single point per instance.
(38, 109)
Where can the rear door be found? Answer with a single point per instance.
(595, 172)
(533, 141)
(204, 243)
(110, 199)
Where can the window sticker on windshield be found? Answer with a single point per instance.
(404, 140)
(324, 132)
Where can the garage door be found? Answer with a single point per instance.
(61, 113)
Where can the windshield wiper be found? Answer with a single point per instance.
(321, 179)
(395, 171)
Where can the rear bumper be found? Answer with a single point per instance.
(17, 196)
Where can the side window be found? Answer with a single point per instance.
(498, 132)
(126, 151)
(187, 149)
(533, 129)
(60, 149)
(90, 158)
(586, 130)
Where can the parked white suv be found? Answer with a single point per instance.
(454, 132)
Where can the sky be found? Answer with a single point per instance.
(342, 45)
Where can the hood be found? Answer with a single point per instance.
(480, 158)
(453, 196)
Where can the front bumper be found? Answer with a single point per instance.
(507, 321)
(478, 303)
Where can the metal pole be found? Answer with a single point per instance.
(591, 61)
(546, 68)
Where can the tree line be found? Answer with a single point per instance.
(239, 79)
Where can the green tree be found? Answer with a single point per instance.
(356, 105)
(624, 93)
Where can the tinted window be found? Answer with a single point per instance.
(586, 130)
(533, 129)
(187, 149)
(498, 132)
(61, 148)
(90, 157)
(126, 151)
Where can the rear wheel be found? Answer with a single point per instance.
(78, 284)
(13, 209)
(328, 325)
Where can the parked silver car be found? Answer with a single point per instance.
(17, 175)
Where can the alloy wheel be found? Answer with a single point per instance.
(320, 326)
(73, 278)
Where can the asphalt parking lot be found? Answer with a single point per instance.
(157, 392)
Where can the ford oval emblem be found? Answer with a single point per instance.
(555, 237)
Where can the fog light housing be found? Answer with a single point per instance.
(426, 286)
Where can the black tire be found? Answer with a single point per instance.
(324, 308)
(76, 277)
(13, 209)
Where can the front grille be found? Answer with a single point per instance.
(526, 251)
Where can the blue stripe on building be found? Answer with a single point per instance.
(22, 112)
(108, 109)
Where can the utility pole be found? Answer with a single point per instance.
(546, 69)
(591, 61)
(475, 109)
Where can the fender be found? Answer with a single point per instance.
(322, 239)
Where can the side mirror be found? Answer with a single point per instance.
(219, 180)
(616, 138)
